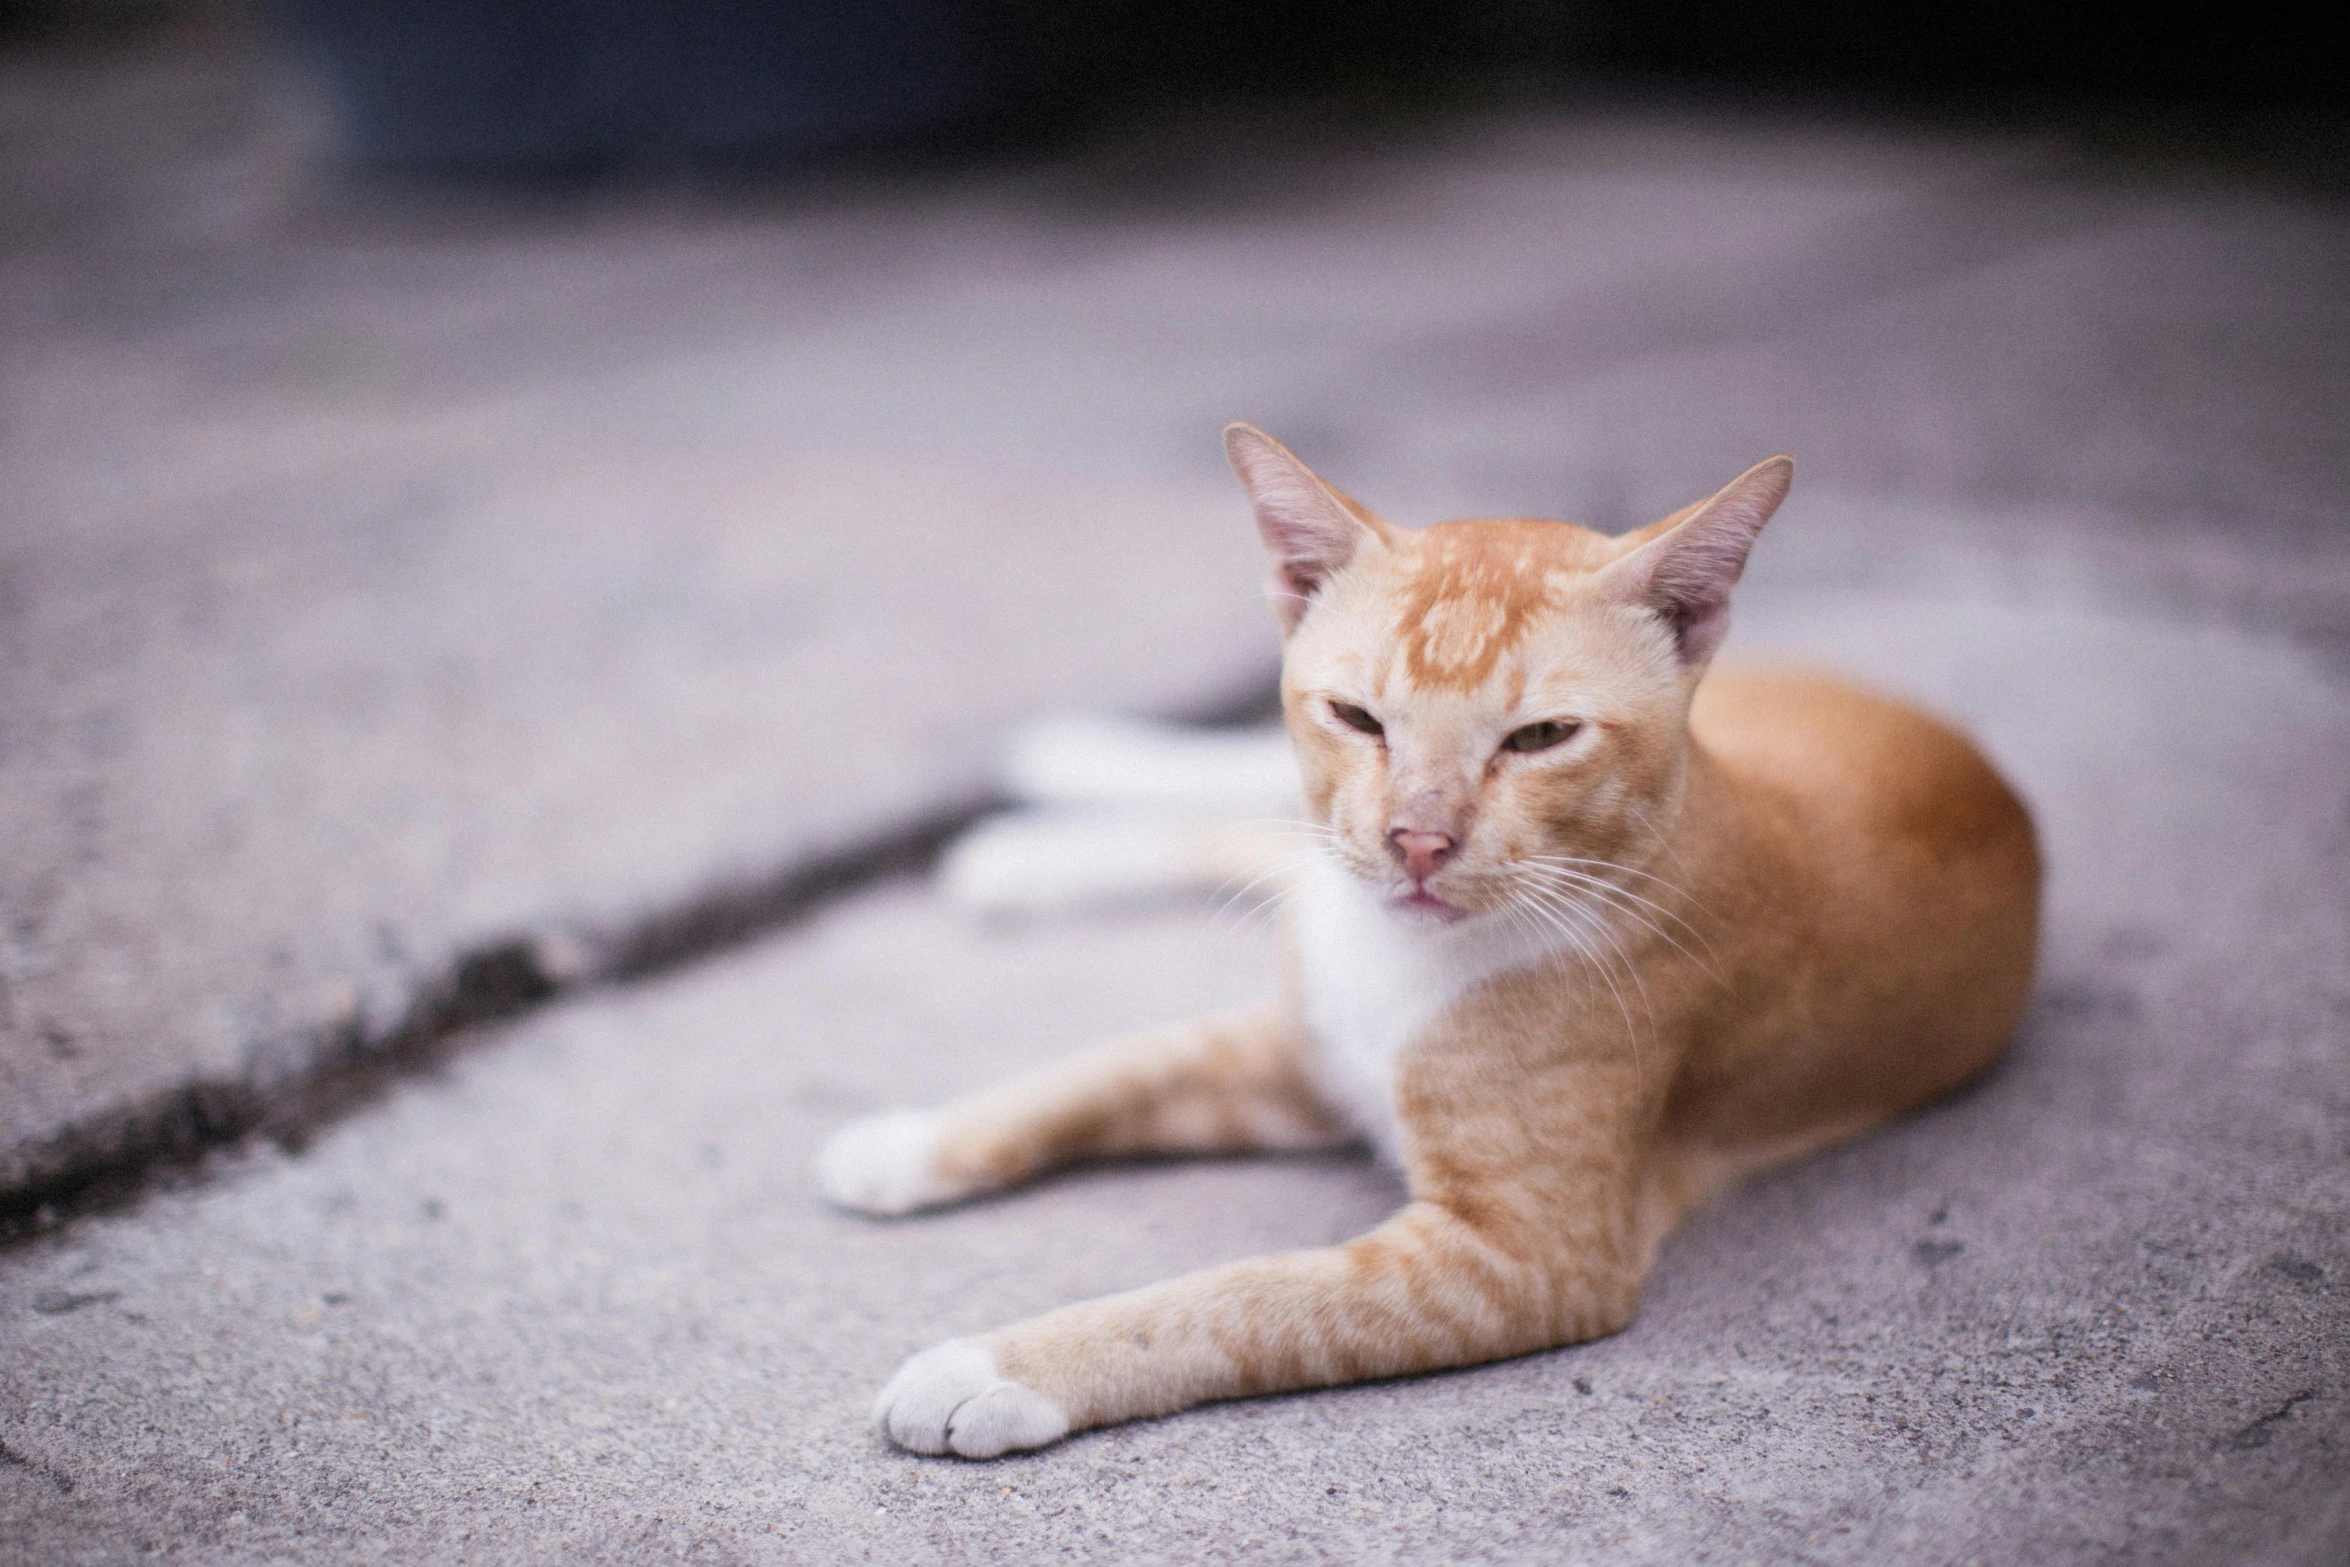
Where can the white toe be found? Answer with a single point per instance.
(1007, 1418)
(885, 1164)
(951, 1398)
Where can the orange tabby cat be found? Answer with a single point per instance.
(1588, 934)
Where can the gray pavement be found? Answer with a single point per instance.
(392, 582)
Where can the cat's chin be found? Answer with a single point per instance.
(1426, 908)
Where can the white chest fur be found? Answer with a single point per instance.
(1374, 981)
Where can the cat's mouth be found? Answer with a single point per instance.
(1419, 903)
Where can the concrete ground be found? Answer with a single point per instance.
(407, 598)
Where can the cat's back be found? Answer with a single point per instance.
(1874, 890)
(1887, 888)
(1855, 761)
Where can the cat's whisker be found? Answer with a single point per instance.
(1615, 865)
(1609, 890)
(1573, 924)
(1560, 941)
(1277, 877)
(1567, 861)
(1240, 907)
(1583, 911)
(1305, 823)
(1604, 897)
(1616, 898)
(1664, 840)
(1567, 902)
(1554, 868)
(1289, 827)
(1597, 962)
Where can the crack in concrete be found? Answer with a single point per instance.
(2263, 1431)
(108, 1161)
(10, 1458)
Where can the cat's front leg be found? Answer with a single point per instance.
(1429, 1289)
(1226, 1085)
(1527, 1230)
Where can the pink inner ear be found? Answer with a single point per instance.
(1698, 562)
(1299, 571)
(1309, 533)
(1304, 529)
(1296, 580)
(1697, 631)
(1690, 590)
(1703, 561)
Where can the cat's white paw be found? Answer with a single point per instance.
(951, 1399)
(885, 1164)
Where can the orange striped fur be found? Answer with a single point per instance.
(1589, 932)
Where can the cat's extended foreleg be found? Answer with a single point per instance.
(1528, 1229)
(1226, 1085)
(1431, 1288)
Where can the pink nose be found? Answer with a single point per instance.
(1421, 852)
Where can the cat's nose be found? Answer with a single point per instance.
(1421, 852)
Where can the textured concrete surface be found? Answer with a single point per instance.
(388, 577)
(575, 1300)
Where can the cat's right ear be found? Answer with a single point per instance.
(1682, 569)
(1310, 530)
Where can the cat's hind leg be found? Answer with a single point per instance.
(1120, 811)
(1232, 1084)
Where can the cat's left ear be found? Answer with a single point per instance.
(1310, 529)
(1684, 570)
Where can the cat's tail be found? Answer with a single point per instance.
(1114, 811)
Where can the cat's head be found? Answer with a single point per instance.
(1480, 705)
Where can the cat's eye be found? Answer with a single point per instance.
(1542, 736)
(1355, 718)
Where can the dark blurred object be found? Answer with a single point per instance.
(586, 84)
(473, 83)
(480, 84)
(97, 22)
(2000, 47)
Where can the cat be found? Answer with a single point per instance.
(1587, 933)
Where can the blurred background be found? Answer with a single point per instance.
(583, 85)
(497, 501)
